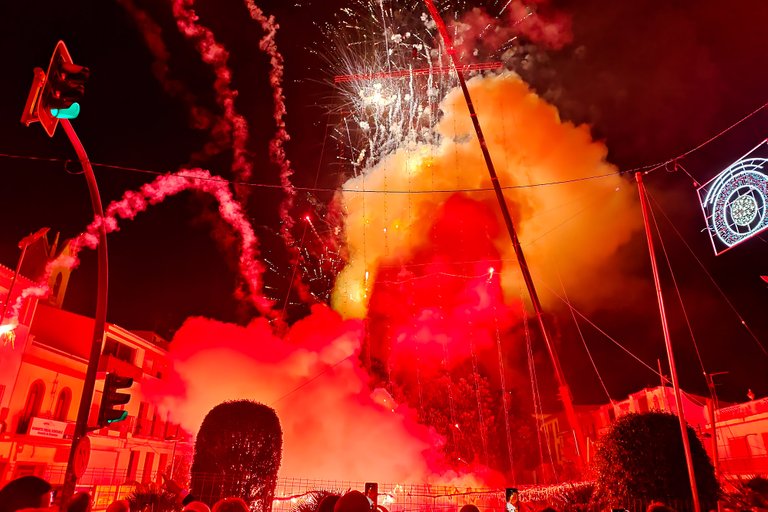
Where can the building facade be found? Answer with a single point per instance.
(742, 438)
(741, 430)
(42, 369)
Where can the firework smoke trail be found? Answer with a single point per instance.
(134, 202)
(214, 54)
(199, 117)
(268, 45)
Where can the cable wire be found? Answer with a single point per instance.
(674, 283)
(714, 283)
(584, 341)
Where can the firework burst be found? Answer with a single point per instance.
(392, 70)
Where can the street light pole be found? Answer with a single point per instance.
(713, 406)
(100, 319)
(23, 244)
(51, 100)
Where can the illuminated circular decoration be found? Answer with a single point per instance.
(744, 210)
(729, 203)
(735, 202)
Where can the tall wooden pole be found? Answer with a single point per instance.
(668, 344)
(564, 390)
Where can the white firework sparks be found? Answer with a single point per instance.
(392, 70)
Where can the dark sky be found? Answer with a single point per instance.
(653, 79)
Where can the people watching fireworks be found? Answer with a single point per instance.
(80, 502)
(352, 501)
(328, 503)
(119, 506)
(513, 502)
(196, 506)
(230, 504)
(25, 492)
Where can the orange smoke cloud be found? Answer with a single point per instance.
(570, 229)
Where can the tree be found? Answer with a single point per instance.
(641, 457)
(237, 453)
(152, 498)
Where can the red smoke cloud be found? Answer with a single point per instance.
(540, 24)
(535, 21)
(448, 292)
(332, 426)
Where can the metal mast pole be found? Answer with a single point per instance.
(564, 390)
(713, 407)
(100, 320)
(668, 344)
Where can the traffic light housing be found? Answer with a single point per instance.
(112, 398)
(55, 95)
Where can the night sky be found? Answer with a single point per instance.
(651, 79)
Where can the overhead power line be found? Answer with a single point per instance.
(648, 168)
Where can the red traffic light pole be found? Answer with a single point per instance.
(112, 397)
(100, 320)
(52, 89)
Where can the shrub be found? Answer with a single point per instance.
(641, 458)
(237, 453)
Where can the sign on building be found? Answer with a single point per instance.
(51, 429)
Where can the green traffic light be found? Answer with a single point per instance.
(70, 112)
(121, 418)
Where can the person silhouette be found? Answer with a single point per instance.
(513, 500)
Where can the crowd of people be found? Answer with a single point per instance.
(33, 494)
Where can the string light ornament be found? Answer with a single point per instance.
(735, 201)
(553, 494)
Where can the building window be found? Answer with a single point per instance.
(642, 403)
(61, 411)
(119, 351)
(56, 286)
(162, 466)
(149, 461)
(28, 470)
(143, 427)
(739, 448)
(133, 466)
(32, 406)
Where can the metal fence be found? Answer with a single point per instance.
(290, 493)
(297, 494)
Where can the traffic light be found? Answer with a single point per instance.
(112, 397)
(63, 85)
